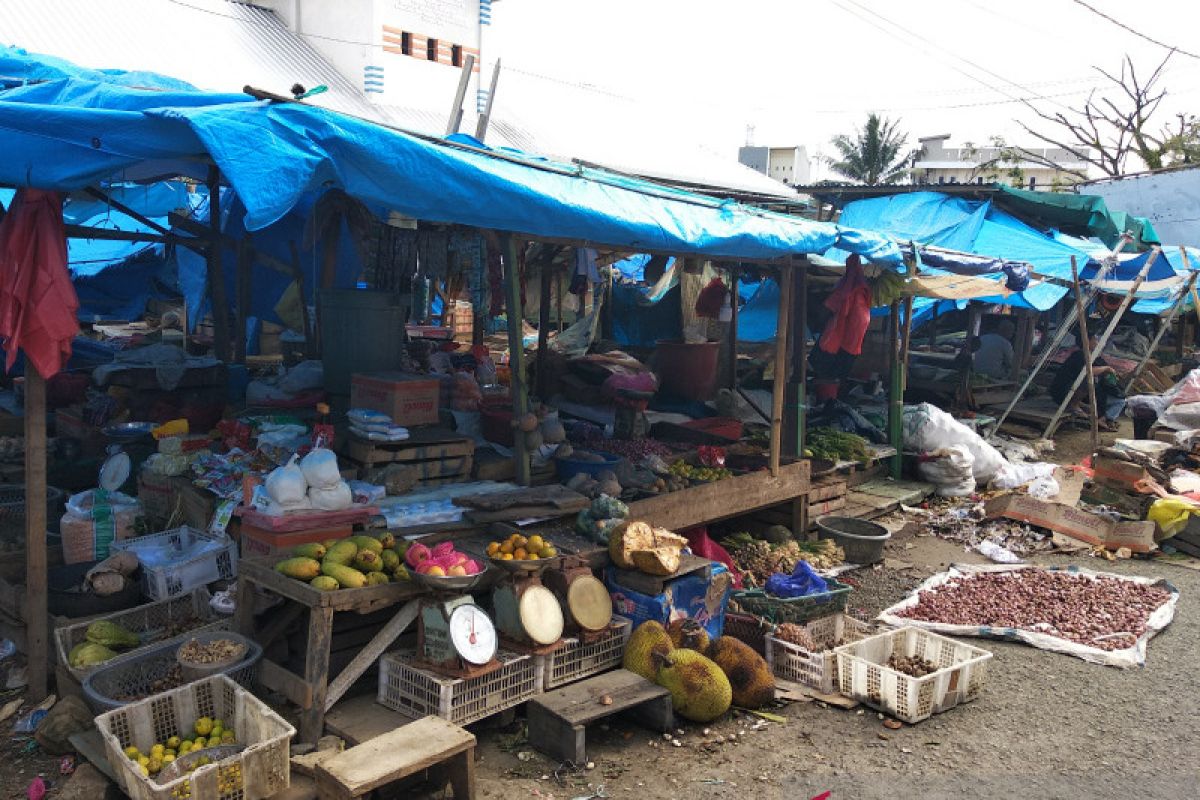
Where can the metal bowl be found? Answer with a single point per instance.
(454, 583)
(512, 565)
(129, 431)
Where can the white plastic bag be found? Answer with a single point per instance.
(320, 468)
(305, 375)
(286, 484)
(333, 498)
(1014, 475)
(950, 470)
(927, 428)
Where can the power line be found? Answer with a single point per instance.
(1134, 31)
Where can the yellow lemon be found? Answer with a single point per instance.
(548, 552)
(144, 770)
(143, 760)
(132, 752)
(168, 758)
(173, 743)
(155, 765)
(493, 548)
(204, 726)
(536, 542)
(507, 548)
(214, 741)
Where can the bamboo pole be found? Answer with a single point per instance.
(1085, 343)
(36, 627)
(1187, 289)
(800, 362)
(543, 354)
(516, 350)
(896, 389)
(779, 381)
(216, 275)
(733, 327)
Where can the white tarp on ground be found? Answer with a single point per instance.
(1134, 656)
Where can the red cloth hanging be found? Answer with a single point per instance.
(850, 303)
(38, 305)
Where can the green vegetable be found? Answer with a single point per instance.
(111, 635)
(87, 654)
(834, 445)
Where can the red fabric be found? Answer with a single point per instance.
(701, 545)
(710, 299)
(850, 303)
(37, 301)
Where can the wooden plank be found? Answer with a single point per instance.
(414, 748)
(216, 274)
(723, 499)
(316, 672)
(262, 573)
(580, 703)
(779, 378)
(826, 490)
(369, 654)
(36, 613)
(359, 719)
(516, 351)
(286, 682)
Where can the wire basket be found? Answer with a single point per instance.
(134, 678)
(417, 692)
(261, 770)
(863, 673)
(12, 509)
(816, 668)
(170, 620)
(793, 609)
(578, 659)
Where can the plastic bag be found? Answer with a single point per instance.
(286, 484)
(802, 582)
(927, 428)
(305, 375)
(950, 470)
(81, 504)
(331, 498)
(1014, 475)
(1171, 514)
(320, 468)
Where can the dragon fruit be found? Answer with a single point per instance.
(416, 554)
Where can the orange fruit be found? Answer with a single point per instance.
(531, 557)
(536, 542)
(519, 554)
(506, 556)
(493, 548)
(507, 547)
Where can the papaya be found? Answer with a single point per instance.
(367, 543)
(300, 568)
(347, 577)
(401, 573)
(324, 583)
(386, 538)
(391, 560)
(342, 553)
(314, 550)
(330, 543)
(367, 561)
(377, 578)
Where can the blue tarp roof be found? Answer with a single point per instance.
(73, 132)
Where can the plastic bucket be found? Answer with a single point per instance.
(688, 370)
(827, 389)
(862, 540)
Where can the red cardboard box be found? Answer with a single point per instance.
(407, 399)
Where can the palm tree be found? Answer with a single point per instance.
(873, 155)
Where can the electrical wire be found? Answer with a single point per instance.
(1133, 30)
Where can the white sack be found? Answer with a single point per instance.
(320, 468)
(286, 484)
(334, 498)
(927, 428)
(950, 469)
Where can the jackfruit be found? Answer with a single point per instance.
(88, 654)
(367, 561)
(300, 568)
(367, 543)
(661, 561)
(377, 578)
(749, 675)
(323, 583)
(699, 689)
(633, 536)
(688, 633)
(111, 635)
(649, 638)
(311, 550)
(391, 560)
(342, 553)
(347, 577)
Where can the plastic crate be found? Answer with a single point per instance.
(862, 673)
(816, 669)
(168, 570)
(749, 630)
(576, 659)
(264, 767)
(793, 609)
(136, 675)
(416, 692)
(150, 622)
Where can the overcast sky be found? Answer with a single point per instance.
(800, 71)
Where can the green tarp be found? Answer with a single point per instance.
(1077, 214)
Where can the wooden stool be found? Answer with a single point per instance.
(558, 718)
(405, 751)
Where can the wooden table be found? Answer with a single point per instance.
(313, 691)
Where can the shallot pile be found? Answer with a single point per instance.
(1104, 613)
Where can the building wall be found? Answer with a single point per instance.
(785, 164)
(941, 164)
(1170, 199)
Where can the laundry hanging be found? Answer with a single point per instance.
(850, 303)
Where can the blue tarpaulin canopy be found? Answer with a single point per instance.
(73, 132)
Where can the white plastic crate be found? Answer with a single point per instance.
(182, 559)
(152, 622)
(416, 692)
(862, 673)
(576, 659)
(261, 770)
(816, 669)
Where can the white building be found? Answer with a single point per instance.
(785, 164)
(938, 164)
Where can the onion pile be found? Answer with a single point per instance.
(1104, 613)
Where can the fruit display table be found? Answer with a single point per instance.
(313, 691)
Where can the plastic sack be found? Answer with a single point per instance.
(1184, 416)
(302, 377)
(286, 484)
(331, 498)
(81, 504)
(320, 469)
(802, 582)
(1014, 475)
(365, 418)
(950, 470)
(1171, 514)
(927, 428)
(274, 509)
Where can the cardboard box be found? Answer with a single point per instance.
(1131, 505)
(1118, 474)
(1070, 521)
(407, 399)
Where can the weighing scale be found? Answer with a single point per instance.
(454, 636)
(527, 613)
(584, 599)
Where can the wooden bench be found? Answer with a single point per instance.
(558, 718)
(425, 744)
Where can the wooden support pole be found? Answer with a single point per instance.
(36, 626)
(456, 111)
(543, 348)
(800, 360)
(245, 290)
(1184, 292)
(782, 329)
(126, 210)
(481, 125)
(516, 350)
(311, 348)
(1085, 343)
(216, 275)
(896, 393)
(733, 327)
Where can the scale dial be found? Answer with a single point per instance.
(472, 634)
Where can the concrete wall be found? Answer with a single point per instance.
(1170, 199)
